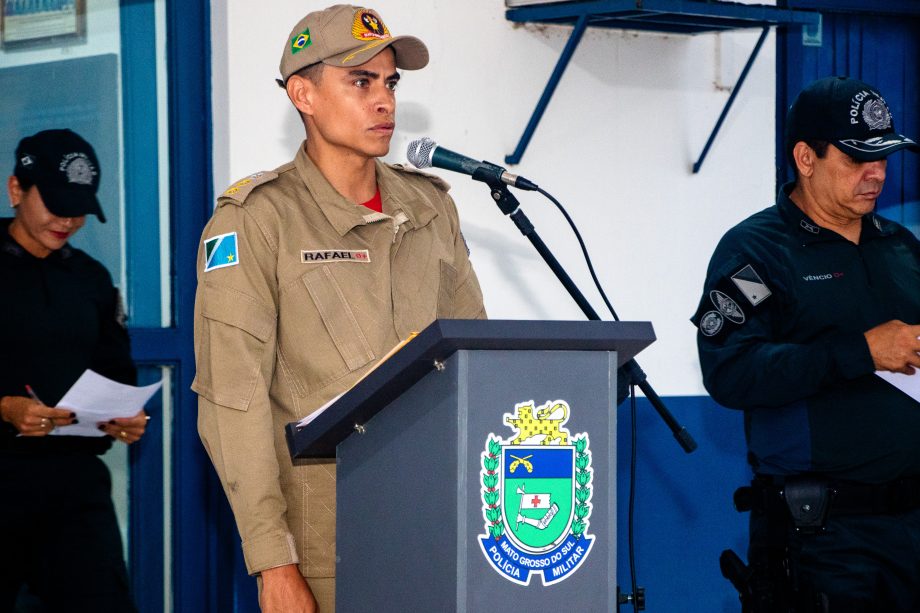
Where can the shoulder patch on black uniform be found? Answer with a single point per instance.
(440, 183)
(238, 192)
(711, 323)
(751, 285)
(734, 288)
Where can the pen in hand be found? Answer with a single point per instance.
(32, 394)
(48, 422)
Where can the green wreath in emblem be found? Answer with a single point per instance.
(490, 491)
(583, 489)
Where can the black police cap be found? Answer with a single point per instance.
(64, 168)
(847, 113)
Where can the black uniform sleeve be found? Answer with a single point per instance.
(112, 354)
(745, 359)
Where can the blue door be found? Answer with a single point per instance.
(877, 42)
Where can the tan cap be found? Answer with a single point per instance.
(345, 35)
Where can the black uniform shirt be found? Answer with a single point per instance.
(781, 325)
(59, 315)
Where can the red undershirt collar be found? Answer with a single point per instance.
(375, 203)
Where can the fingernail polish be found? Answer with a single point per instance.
(76, 421)
(101, 427)
(73, 415)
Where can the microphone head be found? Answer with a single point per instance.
(420, 151)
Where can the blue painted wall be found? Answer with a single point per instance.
(684, 516)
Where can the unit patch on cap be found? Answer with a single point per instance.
(362, 256)
(876, 115)
(751, 285)
(301, 42)
(368, 26)
(78, 168)
(220, 251)
(27, 160)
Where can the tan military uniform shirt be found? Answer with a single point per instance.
(317, 291)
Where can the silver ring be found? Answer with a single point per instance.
(123, 434)
(45, 423)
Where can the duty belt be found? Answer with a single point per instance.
(810, 499)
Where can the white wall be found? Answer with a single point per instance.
(616, 145)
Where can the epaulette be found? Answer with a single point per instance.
(438, 181)
(238, 192)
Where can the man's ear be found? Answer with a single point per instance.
(301, 91)
(805, 158)
(14, 191)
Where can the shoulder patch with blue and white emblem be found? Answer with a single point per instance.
(220, 251)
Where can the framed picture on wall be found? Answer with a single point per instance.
(30, 23)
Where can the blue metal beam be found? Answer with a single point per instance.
(731, 98)
(554, 79)
(703, 12)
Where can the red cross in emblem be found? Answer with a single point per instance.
(536, 501)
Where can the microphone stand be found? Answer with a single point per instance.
(490, 174)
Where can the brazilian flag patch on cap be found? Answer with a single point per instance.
(301, 42)
(220, 251)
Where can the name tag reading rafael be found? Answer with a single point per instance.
(362, 256)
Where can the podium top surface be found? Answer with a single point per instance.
(438, 342)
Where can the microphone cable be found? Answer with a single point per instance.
(631, 506)
(584, 250)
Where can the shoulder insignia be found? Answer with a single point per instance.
(241, 189)
(751, 285)
(440, 183)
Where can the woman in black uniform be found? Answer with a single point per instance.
(59, 315)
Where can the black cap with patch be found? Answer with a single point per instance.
(847, 113)
(65, 170)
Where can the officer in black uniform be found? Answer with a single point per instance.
(59, 316)
(802, 303)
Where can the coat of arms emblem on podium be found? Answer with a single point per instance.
(536, 495)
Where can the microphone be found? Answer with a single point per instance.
(425, 153)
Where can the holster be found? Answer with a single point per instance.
(767, 584)
(808, 500)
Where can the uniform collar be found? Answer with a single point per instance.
(9, 246)
(345, 215)
(398, 195)
(873, 226)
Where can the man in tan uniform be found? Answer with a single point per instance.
(303, 286)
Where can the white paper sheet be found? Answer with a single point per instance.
(303, 423)
(909, 384)
(96, 399)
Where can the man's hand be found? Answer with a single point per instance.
(284, 590)
(895, 347)
(31, 417)
(126, 429)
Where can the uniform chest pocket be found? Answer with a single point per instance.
(336, 344)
